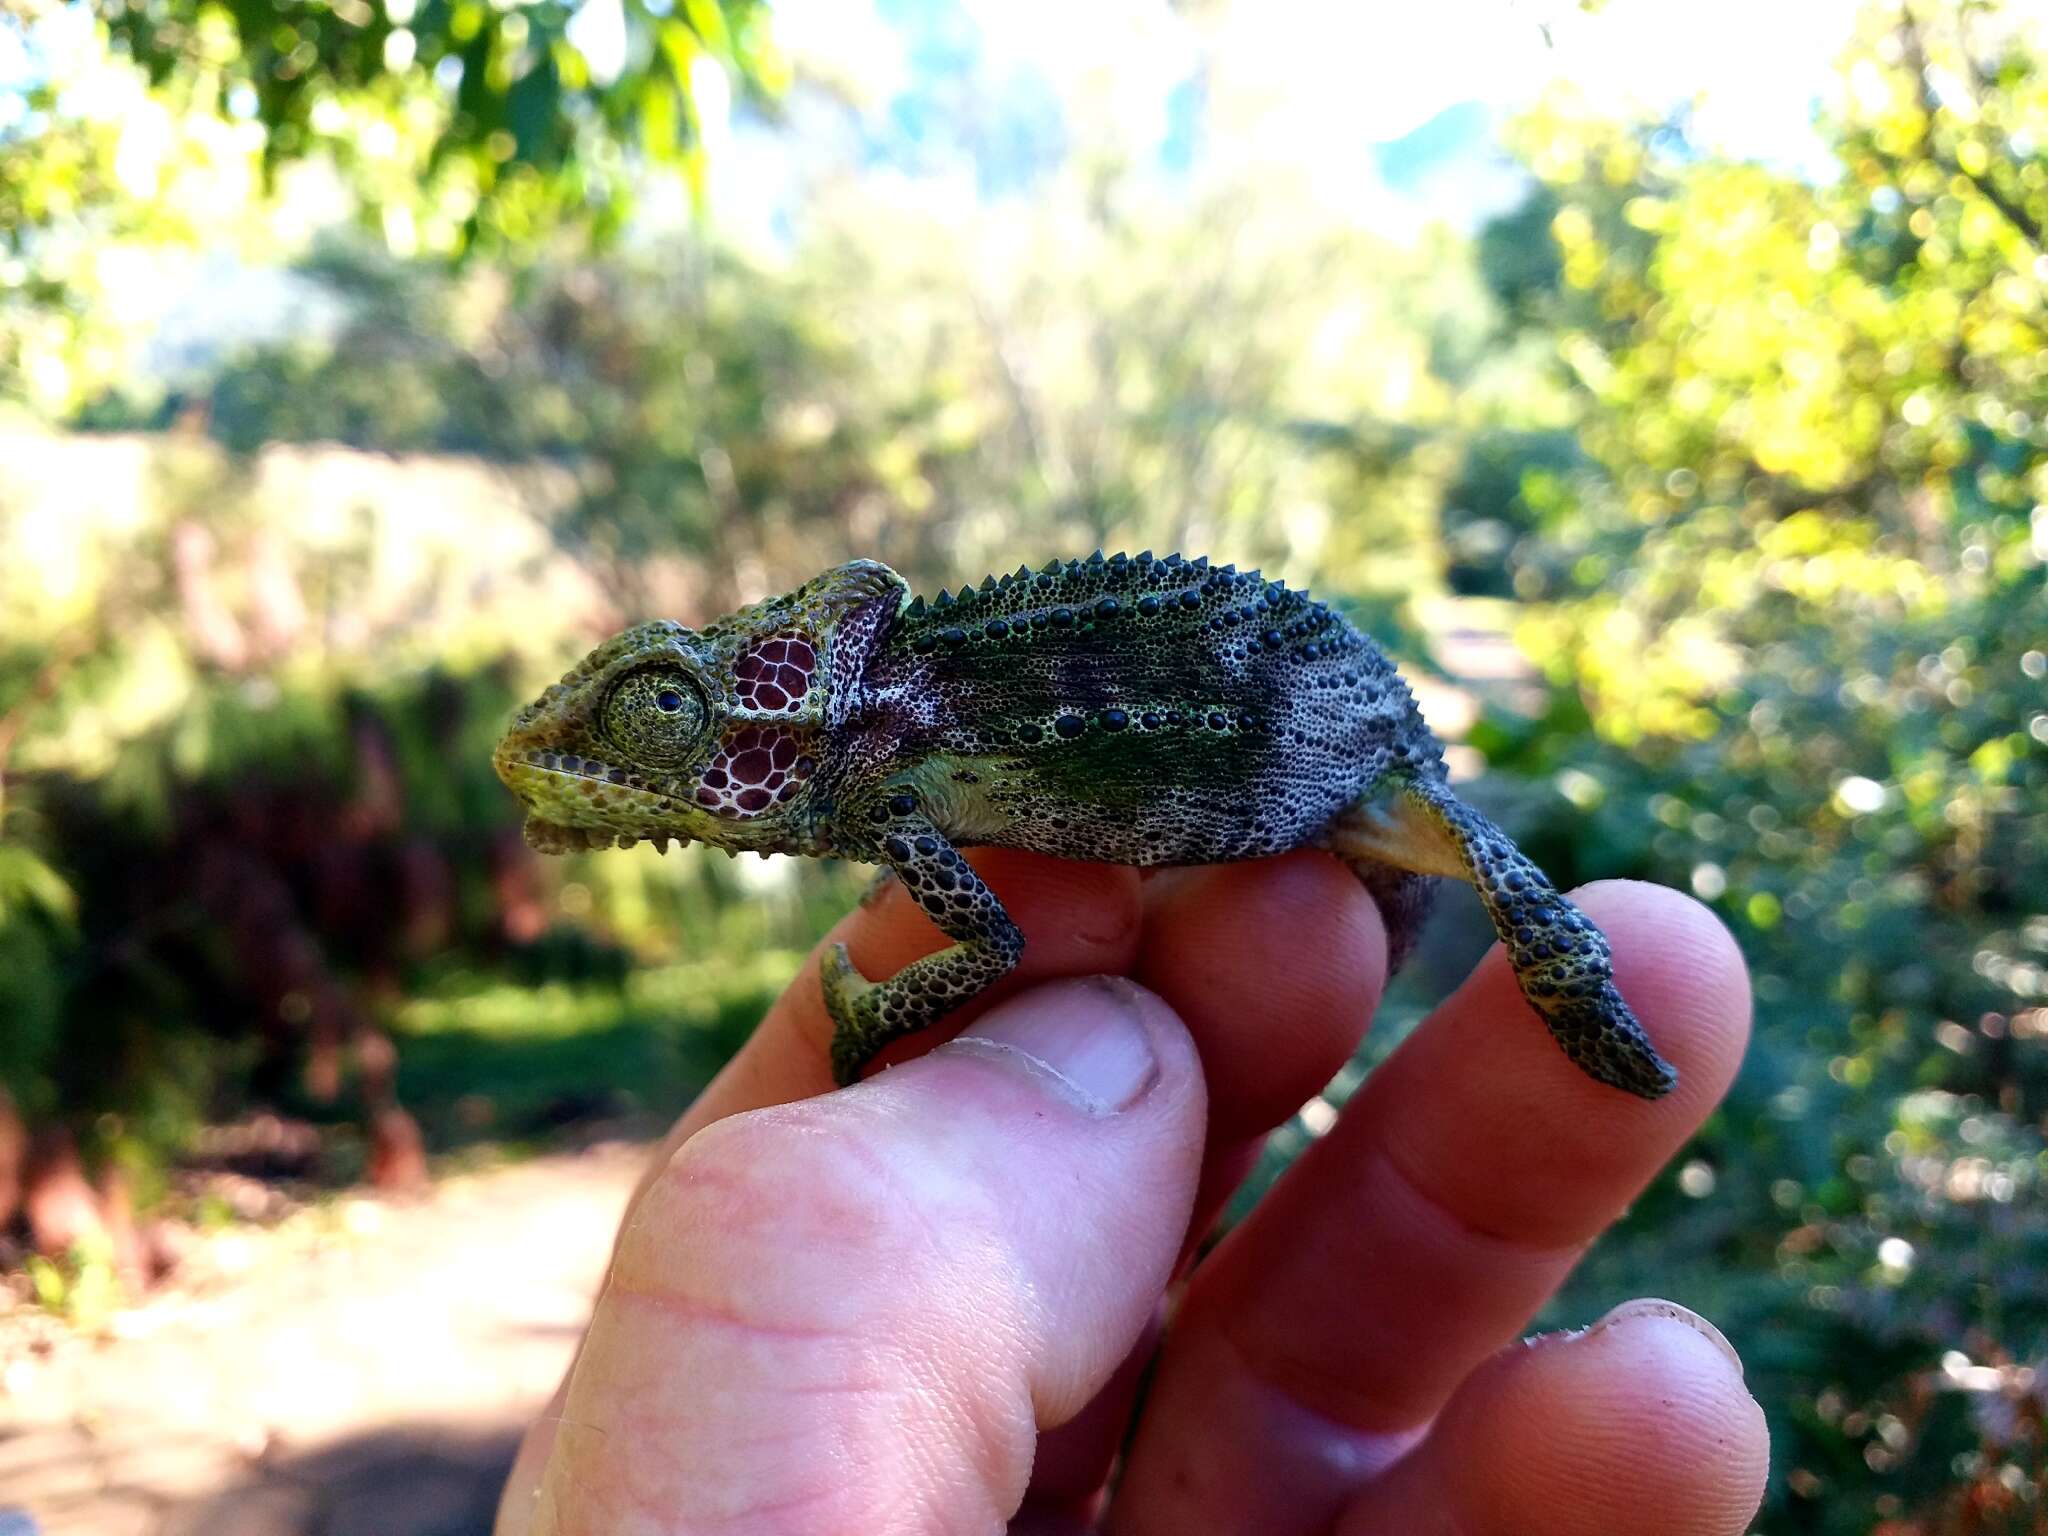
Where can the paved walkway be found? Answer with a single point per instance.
(363, 1370)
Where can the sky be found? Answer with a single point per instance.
(1391, 110)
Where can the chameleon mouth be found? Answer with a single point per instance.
(534, 777)
(544, 836)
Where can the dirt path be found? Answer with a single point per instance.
(363, 1370)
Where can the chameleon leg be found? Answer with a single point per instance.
(867, 1015)
(1561, 960)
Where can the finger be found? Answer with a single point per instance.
(855, 1312)
(1078, 920)
(1073, 1463)
(1580, 1435)
(1275, 965)
(1454, 1194)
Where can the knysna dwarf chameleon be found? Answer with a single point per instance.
(1128, 710)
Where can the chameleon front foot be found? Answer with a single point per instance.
(855, 1006)
(867, 1015)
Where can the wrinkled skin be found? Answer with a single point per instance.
(1127, 711)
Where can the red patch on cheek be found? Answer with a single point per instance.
(756, 767)
(774, 674)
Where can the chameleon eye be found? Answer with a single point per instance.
(656, 717)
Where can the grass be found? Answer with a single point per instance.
(485, 1059)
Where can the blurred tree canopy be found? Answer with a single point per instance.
(1751, 463)
(1794, 607)
(448, 126)
(500, 122)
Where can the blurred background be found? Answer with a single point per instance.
(1667, 387)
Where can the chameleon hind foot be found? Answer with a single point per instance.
(1560, 958)
(1599, 1032)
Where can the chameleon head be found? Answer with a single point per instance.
(711, 735)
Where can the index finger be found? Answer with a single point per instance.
(1455, 1193)
(1463, 1181)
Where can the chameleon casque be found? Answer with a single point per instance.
(1130, 710)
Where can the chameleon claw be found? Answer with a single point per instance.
(844, 985)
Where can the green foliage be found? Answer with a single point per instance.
(703, 406)
(510, 1059)
(83, 1287)
(38, 917)
(1799, 591)
(500, 114)
(138, 133)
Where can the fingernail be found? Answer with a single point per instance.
(1651, 1306)
(1084, 1038)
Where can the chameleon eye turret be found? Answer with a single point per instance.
(1128, 710)
(656, 716)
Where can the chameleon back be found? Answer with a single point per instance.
(1136, 710)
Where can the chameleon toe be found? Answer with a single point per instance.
(1601, 1035)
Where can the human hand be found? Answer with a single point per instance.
(924, 1304)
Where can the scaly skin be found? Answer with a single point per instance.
(1130, 711)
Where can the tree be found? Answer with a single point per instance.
(446, 126)
(1798, 594)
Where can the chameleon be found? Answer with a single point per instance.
(1132, 710)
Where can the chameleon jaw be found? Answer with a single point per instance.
(575, 803)
(544, 836)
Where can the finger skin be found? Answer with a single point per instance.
(1419, 1235)
(1276, 966)
(855, 1312)
(1080, 919)
(1641, 1423)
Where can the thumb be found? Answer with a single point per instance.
(856, 1311)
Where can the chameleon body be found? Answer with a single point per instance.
(1129, 710)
